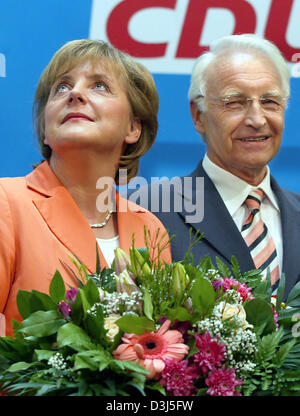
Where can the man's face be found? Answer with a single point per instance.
(241, 140)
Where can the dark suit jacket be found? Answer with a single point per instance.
(221, 236)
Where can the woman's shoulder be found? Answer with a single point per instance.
(13, 184)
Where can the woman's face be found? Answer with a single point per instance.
(88, 108)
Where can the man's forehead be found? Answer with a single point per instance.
(231, 70)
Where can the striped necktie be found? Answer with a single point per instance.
(259, 240)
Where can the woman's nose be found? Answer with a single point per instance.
(76, 95)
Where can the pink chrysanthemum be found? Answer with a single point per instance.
(222, 382)
(178, 378)
(211, 353)
(241, 288)
(152, 349)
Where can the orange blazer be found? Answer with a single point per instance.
(41, 227)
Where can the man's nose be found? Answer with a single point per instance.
(255, 116)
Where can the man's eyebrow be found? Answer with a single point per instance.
(236, 93)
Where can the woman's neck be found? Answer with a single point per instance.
(89, 181)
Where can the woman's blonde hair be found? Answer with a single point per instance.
(138, 82)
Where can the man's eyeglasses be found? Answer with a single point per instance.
(240, 103)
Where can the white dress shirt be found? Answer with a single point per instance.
(234, 191)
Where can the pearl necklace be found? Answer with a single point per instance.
(102, 224)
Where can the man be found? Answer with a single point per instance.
(238, 95)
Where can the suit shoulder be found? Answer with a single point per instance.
(292, 196)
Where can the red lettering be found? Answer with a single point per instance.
(277, 27)
(245, 22)
(118, 33)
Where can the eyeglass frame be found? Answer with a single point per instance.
(226, 98)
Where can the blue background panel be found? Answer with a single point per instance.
(31, 31)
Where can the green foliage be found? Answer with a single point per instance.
(136, 324)
(57, 288)
(260, 314)
(203, 296)
(56, 355)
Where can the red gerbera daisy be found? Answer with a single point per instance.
(151, 349)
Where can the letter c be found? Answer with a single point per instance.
(117, 28)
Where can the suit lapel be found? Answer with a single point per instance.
(290, 220)
(217, 225)
(63, 216)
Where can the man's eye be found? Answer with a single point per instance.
(234, 102)
(270, 102)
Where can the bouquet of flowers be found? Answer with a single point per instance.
(147, 328)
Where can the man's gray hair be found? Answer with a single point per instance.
(236, 43)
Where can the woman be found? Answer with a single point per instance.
(96, 112)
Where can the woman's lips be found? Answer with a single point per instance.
(76, 116)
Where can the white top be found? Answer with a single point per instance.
(234, 191)
(108, 246)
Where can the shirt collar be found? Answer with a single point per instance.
(234, 190)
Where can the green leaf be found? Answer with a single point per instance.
(24, 303)
(236, 268)
(91, 292)
(258, 313)
(74, 337)
(128, 365)
(294, 293)
(92, 359)
(95, 326)
(280, 291)
(203, 296)
(28, 302)
(20, 366)
(85, 303)
(179, 314)
(283, 352)
(202, 391)
(46, 301)
(223, 269)
(42, 323)
(147, 304)
(77, 310)
(158, 387)
(267, 345)
(263, 290)
(145, 253)
(135, 324)
(98, 265)
(57, 288)
(205, 264)
(44, 354)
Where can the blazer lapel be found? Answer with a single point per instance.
(130, 224)
(63, 216)
(217, 224)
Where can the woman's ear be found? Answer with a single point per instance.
(135, 131)
(198, 118)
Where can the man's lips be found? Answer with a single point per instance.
(76, 116)
(253, 138)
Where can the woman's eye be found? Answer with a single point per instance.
(101, 86)
(62, 88)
